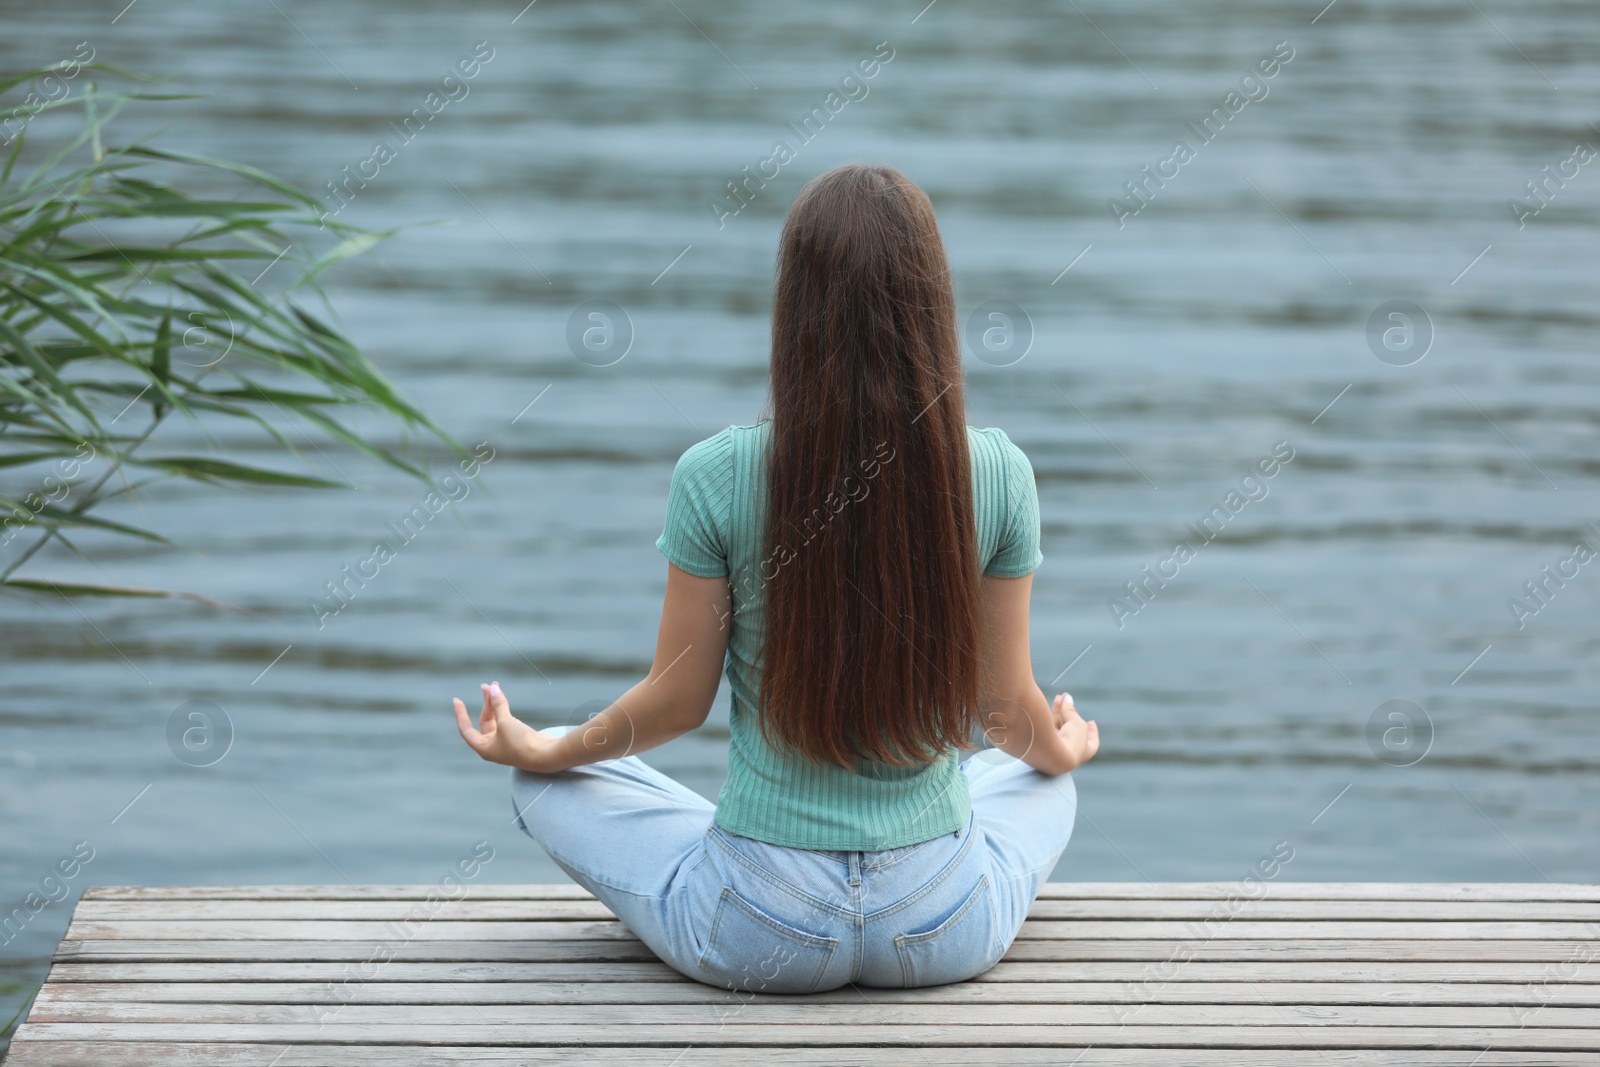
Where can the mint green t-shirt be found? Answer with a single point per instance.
(716, 510)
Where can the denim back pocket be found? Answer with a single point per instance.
(751, 952)
(959, 947)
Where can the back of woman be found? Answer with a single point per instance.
(859, 564)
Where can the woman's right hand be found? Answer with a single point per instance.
(1081, 738)
(501, 737)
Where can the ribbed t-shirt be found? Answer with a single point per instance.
(716, 512)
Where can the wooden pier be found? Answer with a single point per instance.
(1484, 975)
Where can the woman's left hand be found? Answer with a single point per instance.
(501, 737)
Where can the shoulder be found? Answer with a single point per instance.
(706, 468)
(710, 453)
(990, 446)
(989, 436)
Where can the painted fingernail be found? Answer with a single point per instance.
(494, 689)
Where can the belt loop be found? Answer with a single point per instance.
(855, 868)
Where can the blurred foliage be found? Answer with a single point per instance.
(126, 300)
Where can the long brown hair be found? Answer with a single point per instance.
(870, 572)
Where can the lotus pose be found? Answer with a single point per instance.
(860, 564)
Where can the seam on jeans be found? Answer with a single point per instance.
(729, 897)
(902, 942)
(898, 854)
(907, 850)
(805, 937)
(975, 895)
(937, 880)
(771, 879)
(711, 938)
(858, 925)
(895, 855)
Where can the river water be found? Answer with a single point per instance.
(1173, 343)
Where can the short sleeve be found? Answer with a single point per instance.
(1018, 552)
(697, 506)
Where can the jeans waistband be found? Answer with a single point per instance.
(864, 859)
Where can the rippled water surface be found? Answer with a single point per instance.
(1245, 704)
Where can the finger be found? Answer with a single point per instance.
(486, 716)
(1093, 740)
(501, 706)
(1069, 711)
(469, 734)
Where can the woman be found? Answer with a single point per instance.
(861, 565)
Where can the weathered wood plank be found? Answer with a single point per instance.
(1180, 951)
(140, 972)
(1525, 998)
(30, 1053)
(1280, 890)
(1472, 1038)
(437, 929)
(1112, 973)
(1542, 975)
(363, 951)
(384, 910)
(867, 1009)
(535, 951)
(1107, 910)
(447, 928)
(479, 891)
(1250, 929)
(1287, 890)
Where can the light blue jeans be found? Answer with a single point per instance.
(746, 915)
